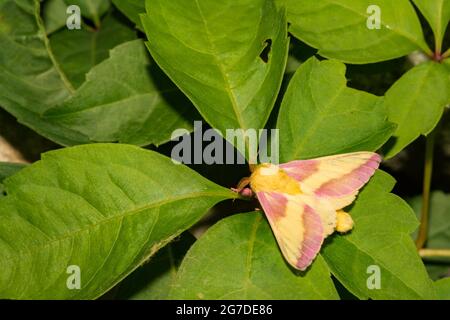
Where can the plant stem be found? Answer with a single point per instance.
(428, 170)
(435, 253)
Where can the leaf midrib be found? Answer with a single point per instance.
(41, 29)
(223, 73)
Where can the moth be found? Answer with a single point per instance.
(303, 199)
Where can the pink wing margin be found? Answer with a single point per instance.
(298, 230)
(335, 176)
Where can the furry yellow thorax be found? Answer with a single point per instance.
(271, 178)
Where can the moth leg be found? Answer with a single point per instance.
(344, 222)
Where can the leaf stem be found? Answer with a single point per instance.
(45, 39)
(428, 171)
(446, 54)
(434, 253)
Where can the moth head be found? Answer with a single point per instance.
(268, 177)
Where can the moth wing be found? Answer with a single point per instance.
(337, 178)
(297, 227)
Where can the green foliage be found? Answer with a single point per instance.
(54, 15)
(132, 9)
(239, 259)
(136, 114)
(443, 289)
(77, 51)
(438, 231)
(380, 238)
(416, 103)
(211, 50)
(32, 82)
(138, 70)
(321, 116)
(6, 170)
(437, 12)
(105, 208)
(154, 280)
(338, 28)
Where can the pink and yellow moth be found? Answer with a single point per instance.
(303, 199)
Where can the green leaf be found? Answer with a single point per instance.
(105, 208)
(91, 9)
(77, 51)
(437, 13)
(320, 115)
(338, 28)
(211, 50)
(127, 99)
(153, 280)
(28, 74)
(31, 80)
(381, 238)
(416, 103)
(132, 9)
(438, 230)
(446, 64)
(443, 289)
(238, 258)
(439, 222)
(54, 15)
(6, 170)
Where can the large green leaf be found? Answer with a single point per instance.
(211, 50)
(127, 99)
(238, 258)
(320, 115)
(132, 9)
(416, 103)
(338, 28)
(153, 280)
(104, 208)
(437, 12)
(380, 238)
(77, 51)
